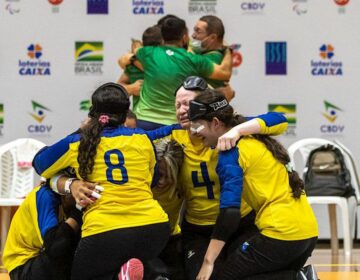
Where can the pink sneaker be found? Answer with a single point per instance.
(133, 269)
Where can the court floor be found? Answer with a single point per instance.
(329, 267)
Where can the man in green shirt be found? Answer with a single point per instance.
(208, 40)
(165, 67)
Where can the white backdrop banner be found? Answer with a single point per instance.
(299, 57)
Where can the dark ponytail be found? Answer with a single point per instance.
(110, 104)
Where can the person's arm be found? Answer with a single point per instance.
(231, 177)
(52, 159)
(125, 60)
(223, 71)
(213, 251)
(82, 191)
(163, 131)
(271, 123)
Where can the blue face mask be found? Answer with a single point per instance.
(196, 46)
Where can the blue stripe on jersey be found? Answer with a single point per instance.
(47, 205)
(163, 131)
(49, 155)
(271, 118)
(231, 178)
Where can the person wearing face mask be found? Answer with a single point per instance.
(165, 67)
(207, 39)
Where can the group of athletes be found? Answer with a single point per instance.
(211, 197)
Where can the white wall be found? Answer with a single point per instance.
(304, 25)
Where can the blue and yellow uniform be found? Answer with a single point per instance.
(199, 181)
(250, 171)
(124, 166)
(34, 218)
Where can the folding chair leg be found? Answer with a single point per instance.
(333, 229)
(346, 227)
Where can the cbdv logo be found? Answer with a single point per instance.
(89, 58)
(300, 7)
(1, 119)
(39, 114)
(97, 7)
(237, 58)
(35, 66)
(326, 66)
(341, 4)
(253, 8)
(289, 110)
(275, 53)
(202, 7)
(55, 5)
(331, 115)
(148, 7)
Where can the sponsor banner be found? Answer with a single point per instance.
(148, 7)
(299, 7)
(252, 7)
(276, 58)
(55, 5)
(85, 105)
(12, 6)
(326, 66)
(198, 7)
(35, 65)
(89, 58)
(331, 114)
(237, 57)
(39, 113)
(341, 5)
(289, 110)
(97, 7)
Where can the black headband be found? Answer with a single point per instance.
(197, 109)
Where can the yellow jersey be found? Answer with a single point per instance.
(124, 166)
(198, 179)
(251, 173)
(36, 215)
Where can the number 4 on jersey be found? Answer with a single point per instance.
(206, 180)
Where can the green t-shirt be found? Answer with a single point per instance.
(165, 68)
(134, 74)
(215, 56)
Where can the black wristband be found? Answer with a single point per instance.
(226, 223)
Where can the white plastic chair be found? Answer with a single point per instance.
(346, 205)
(16, 177)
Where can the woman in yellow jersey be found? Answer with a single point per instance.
(41, 241)
(200, 183)
(257, 170)
(126, 222)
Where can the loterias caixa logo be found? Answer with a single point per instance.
(289, 110)
(89, 58)
(39, 113)
(35, 65)
(327, 65)
(148, 7)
